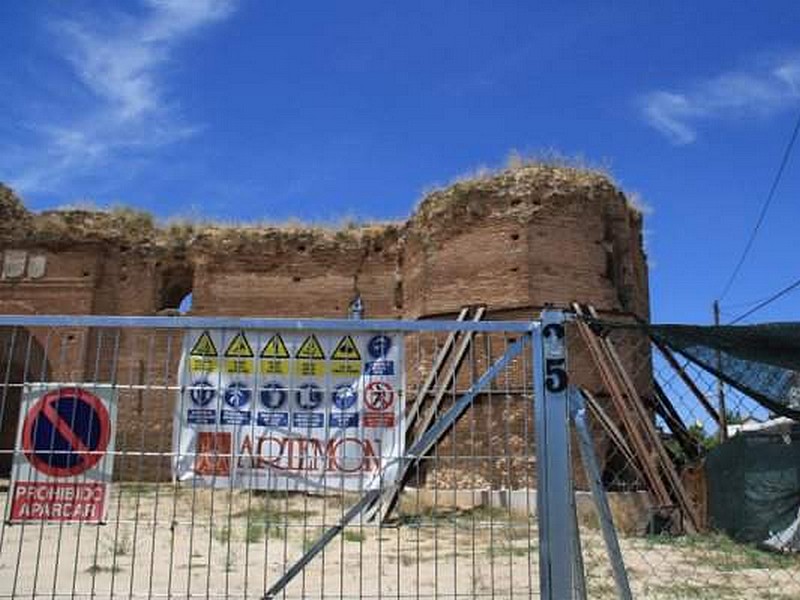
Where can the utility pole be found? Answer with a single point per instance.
(723, 417)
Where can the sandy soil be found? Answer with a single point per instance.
(161, 541)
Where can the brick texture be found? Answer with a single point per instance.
(515, 243)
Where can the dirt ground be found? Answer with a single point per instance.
(178, 542)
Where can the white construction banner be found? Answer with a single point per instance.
(288, 410)
(64, 454)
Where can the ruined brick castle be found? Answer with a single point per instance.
(512, 241)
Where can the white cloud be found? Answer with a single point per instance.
(120, 62)
(731, 95)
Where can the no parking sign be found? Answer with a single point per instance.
(64, 455)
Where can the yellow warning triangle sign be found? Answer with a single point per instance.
(346, 349)
(310, 349)
(275, 348)
(239, 347)
(204, 346)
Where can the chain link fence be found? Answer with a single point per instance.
(701, 422)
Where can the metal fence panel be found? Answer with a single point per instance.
(465, 525)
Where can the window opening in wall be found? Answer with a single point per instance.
(175, 293)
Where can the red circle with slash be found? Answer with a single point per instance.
(379, 395)
(66, 432)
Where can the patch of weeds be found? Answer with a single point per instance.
(222, 534)
(122, 546)
(488, 514)
(254, 533)
(268, 512)
(724, 554)
(689, 591)
(353, 536)
(519, 533)
(462, 518)
(140, 489)
(97, 568)
(602, 589)
(502, 549)
(230, 563)
(407, 560)
(779, 596)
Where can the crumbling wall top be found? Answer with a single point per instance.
(519, 191)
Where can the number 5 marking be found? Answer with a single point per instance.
(556, 380)
(556, 375)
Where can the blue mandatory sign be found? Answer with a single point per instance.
(344, 420)
(309, 396)
(202, 392)
(202, 416)
(236, 417)
(379, 346)
(308, 419)
(237, 394)
(272, 419)
(379, 367)
(344, 396)
(273, 395)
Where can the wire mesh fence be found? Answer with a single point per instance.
(697, 420)
(464, 525)
(163, 517)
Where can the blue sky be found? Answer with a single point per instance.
(244, 109)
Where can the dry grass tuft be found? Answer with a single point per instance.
(524, 186)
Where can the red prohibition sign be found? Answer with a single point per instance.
(379, 395)
(66, 432)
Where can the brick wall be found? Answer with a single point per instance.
(513, 242)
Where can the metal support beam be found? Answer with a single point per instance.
(578, 413)
(441, 358)
(687, 381)
(555, 493)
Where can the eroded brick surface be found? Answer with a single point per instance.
(513, 242)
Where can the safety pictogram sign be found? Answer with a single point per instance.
(273, 395)
(239, 355)
(239, 347)
(319, 409)
(66, 437)
(310, 349)
(379, 395)
(275, 357)
(346, 359)
(346, 349)
(203, 355)
(379, 346)
(204, 346)
(310, 358)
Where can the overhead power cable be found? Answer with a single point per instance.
(764, 208)
(792, 286)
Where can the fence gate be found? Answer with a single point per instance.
(187, 457)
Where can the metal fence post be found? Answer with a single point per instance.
(554, 480)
